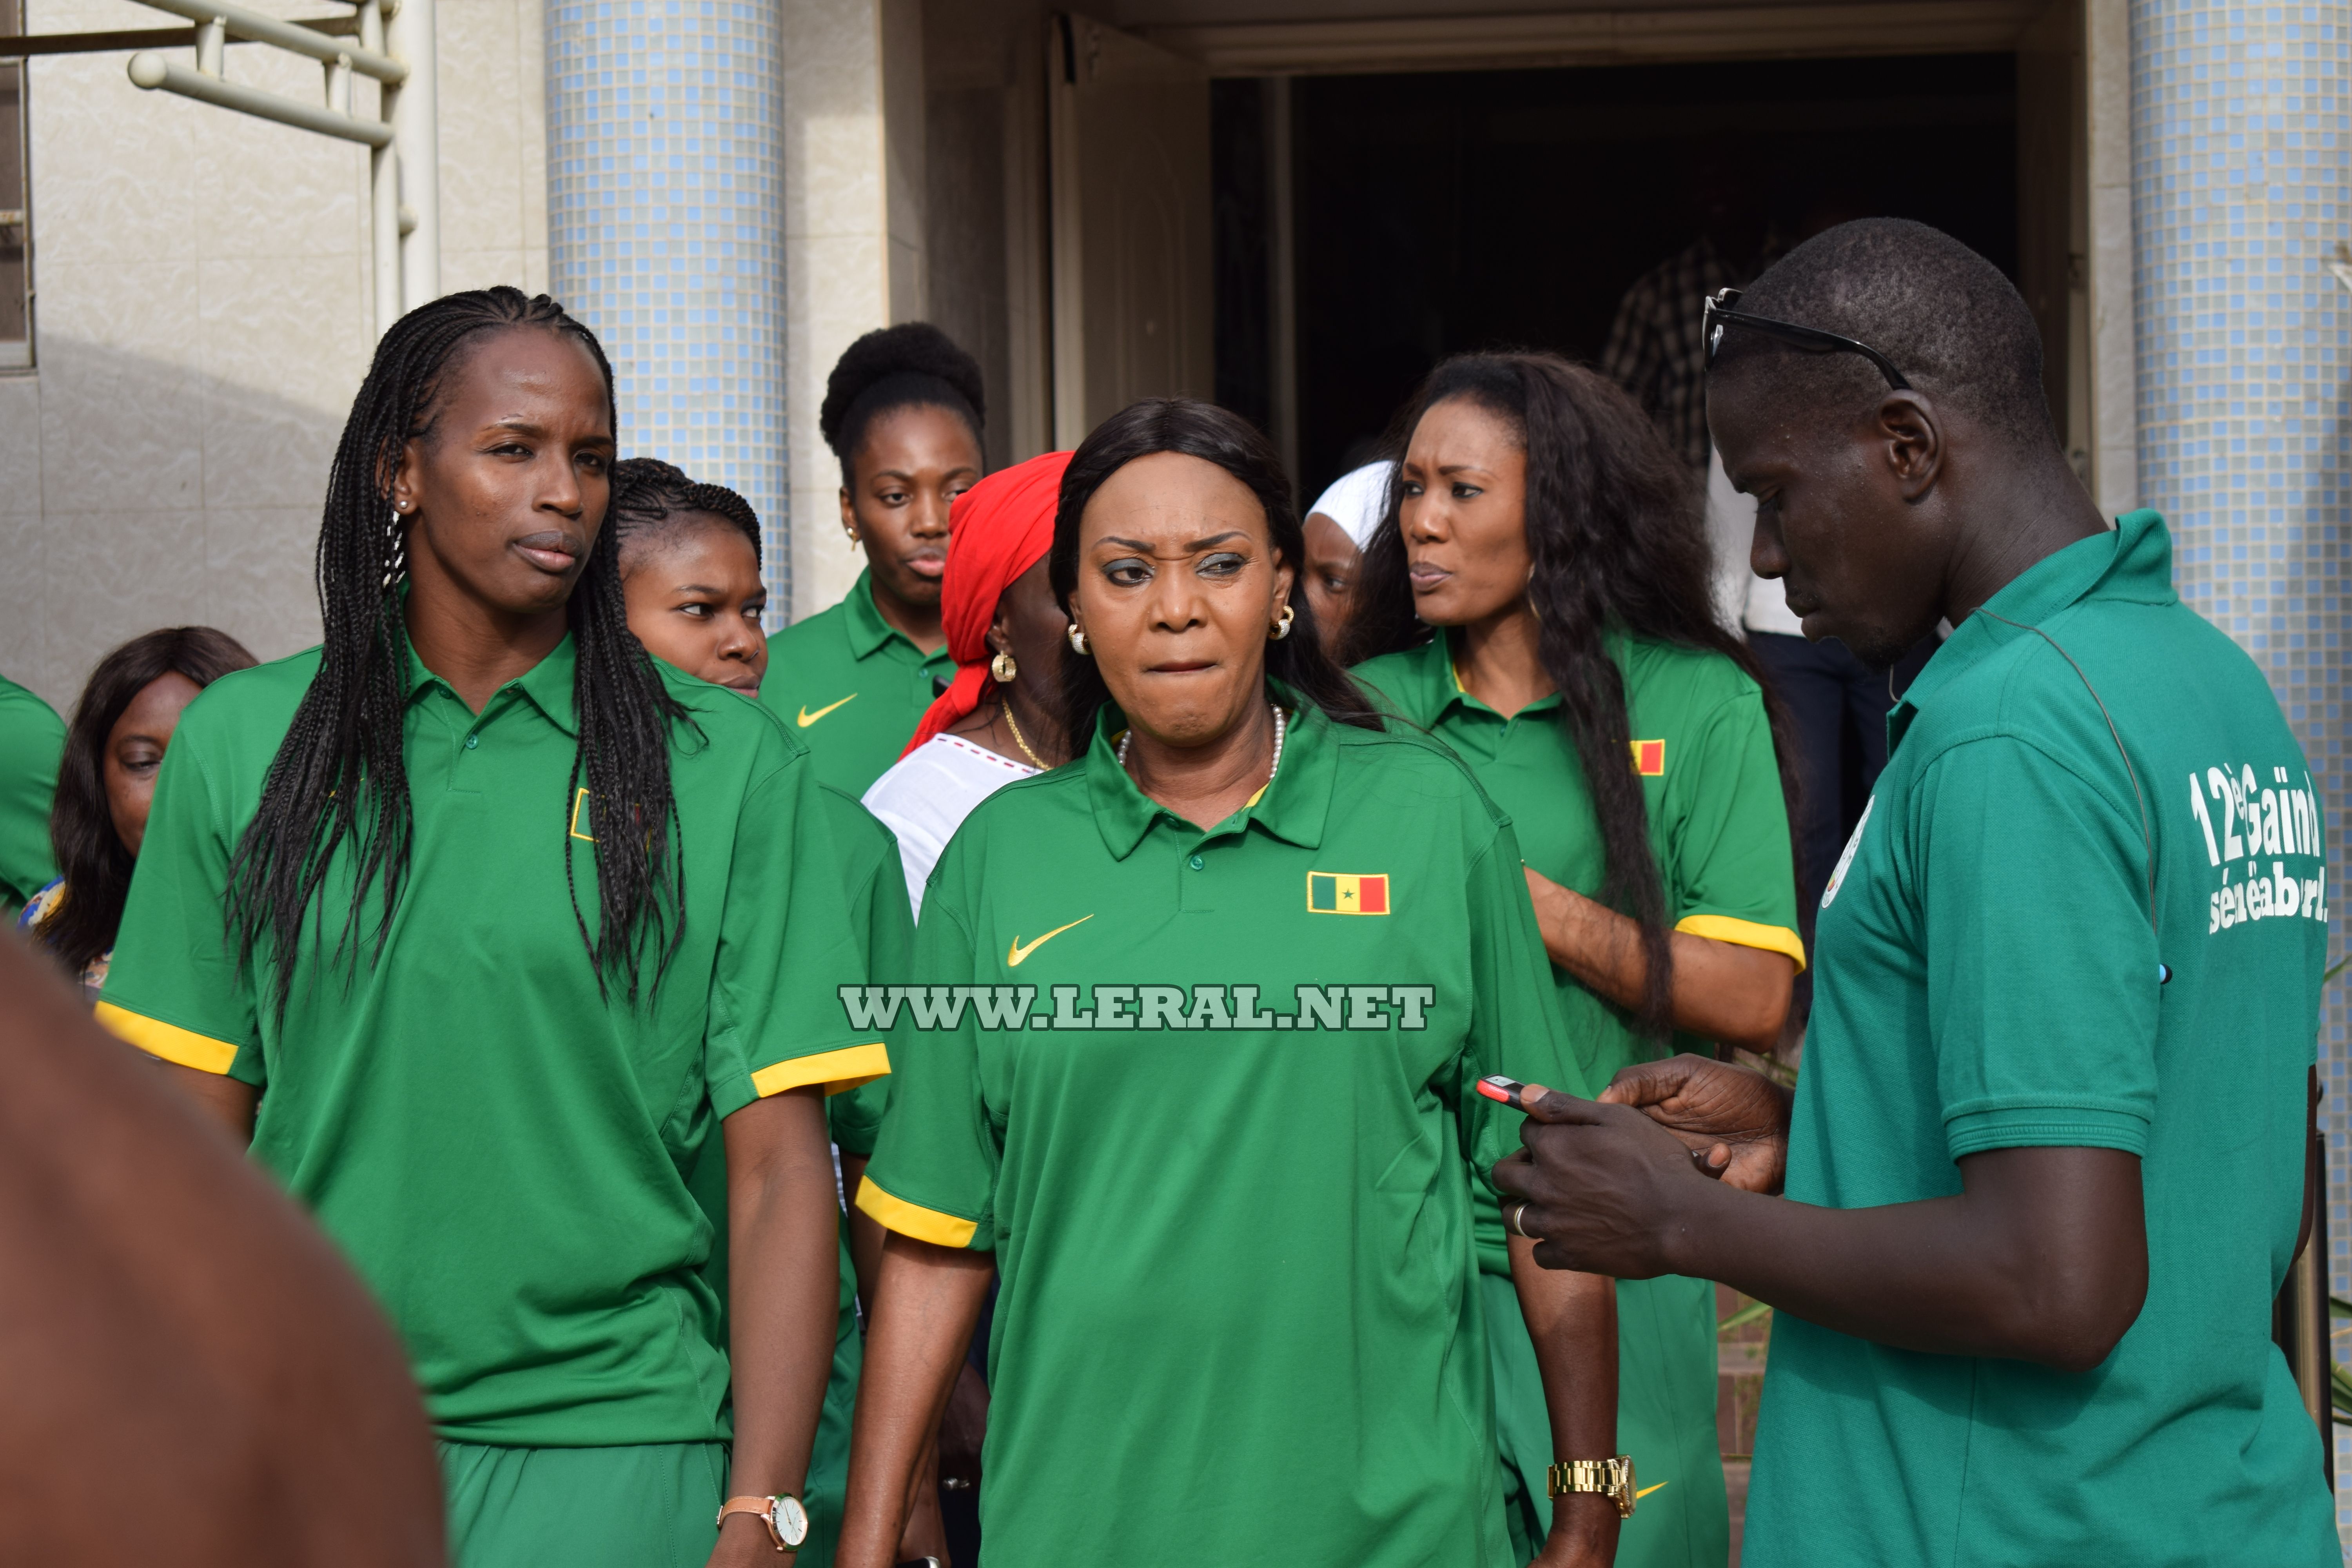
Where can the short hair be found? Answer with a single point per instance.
(652, 499)
(912, 364)
(1956, 329)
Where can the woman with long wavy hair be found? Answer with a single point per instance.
(517, 921)
(106, 786)
(1538, 598)
(1243, 960)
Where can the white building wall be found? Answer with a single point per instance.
(201, 320)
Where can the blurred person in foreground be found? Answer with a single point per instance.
(2044, 1166)
(106, 784)
(194, 1375)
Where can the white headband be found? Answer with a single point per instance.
(1356, 501)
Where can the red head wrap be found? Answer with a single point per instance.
(998, 529)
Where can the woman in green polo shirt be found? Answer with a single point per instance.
(902, 412)
(519, 921)
(1542, 526)
(1209, 1106)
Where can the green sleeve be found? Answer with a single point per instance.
(1515, 1029)
(175, 988)
(32, 739)
(1732, 875)
(879, 915)
(2042, 967)
(935, 1166)
(785, 950)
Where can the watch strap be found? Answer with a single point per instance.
(1611, 1477)
(762, 1506)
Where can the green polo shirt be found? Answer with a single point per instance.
(32, 739)
(882, 932)
(1237, 1275)
(852, 687)
(1719, 825)
(502, 1152)
(1987, 979)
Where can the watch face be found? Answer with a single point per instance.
(790, 1520)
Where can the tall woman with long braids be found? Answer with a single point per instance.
(517, 922)
(1538, 598)
(1220, 1143)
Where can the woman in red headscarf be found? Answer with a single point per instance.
(995, 724)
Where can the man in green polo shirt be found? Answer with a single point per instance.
(2048, 1151)
(853, 686)
(32, 739)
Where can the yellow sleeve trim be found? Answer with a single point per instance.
(1745, 933)
(913, 1219)
(184, 1046)
(838, 1070)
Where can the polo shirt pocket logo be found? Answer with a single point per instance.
(1650, 758)
(1339, 893)
(580, 817)
(1837, 878)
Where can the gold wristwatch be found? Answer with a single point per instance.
(1612, 1477)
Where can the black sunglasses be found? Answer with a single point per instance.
(1812, 339)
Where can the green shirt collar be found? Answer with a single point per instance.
(1293, 807)
(869, 634)
(548, 684)
(2132, 564)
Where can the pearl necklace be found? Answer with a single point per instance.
(1276, 707)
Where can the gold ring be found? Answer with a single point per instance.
(1518, 1222)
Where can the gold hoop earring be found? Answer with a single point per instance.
(1282, 626)
(1077, 640)
(1003, 668)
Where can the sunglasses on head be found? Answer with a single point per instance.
(1812, 339)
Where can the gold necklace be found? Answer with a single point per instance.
(1014, 725)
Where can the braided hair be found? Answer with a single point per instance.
(652, 499)
(340, 776)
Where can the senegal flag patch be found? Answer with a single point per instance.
(1338, 893)
(1650, 759)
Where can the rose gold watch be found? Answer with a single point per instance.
(787, 1521)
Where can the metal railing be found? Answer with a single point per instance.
(394, 46)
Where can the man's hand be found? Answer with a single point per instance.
(1603, 1186)
(1734, 1120)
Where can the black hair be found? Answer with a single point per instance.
(651, 499)
(340, 775)
(91, 855)
(1618, 541)
(1956, 329)
(1200, 430)
(913, 364)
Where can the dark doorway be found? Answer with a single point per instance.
(1443, 212)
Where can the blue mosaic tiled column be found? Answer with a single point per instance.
(665, 218)
(2242, 155)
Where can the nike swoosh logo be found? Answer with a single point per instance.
(808, 717)
(1016, 955)
(1645, 1491)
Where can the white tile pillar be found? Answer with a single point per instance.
(854, 252)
